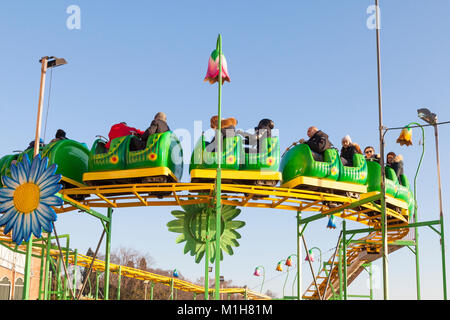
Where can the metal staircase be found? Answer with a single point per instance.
(358, 254)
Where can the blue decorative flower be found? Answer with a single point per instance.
(27, 198)
(331, 223)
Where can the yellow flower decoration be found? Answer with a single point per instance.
(152, 156)
(270, 161)
(231, 159)
(114, 159)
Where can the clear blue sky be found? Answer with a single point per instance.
(299, 63)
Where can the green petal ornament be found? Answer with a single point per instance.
(192, 225)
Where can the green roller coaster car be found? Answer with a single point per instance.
(267, 159)
(71, 158)
(202, 158)
(397, 189)
(299, 161)
(298, 164)
(160, 161)
(238, 166)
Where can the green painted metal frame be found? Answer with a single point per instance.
(218, 190)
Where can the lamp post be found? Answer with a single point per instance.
(46, 63)
(383, 174)
(310, 254)
(405, 138)
(280, 268)
(289, 264)
(431, 118)
(258, 274)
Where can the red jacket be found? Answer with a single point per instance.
(121, 130)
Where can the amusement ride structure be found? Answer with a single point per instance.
(70, 176)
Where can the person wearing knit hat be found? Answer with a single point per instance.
(348, 150)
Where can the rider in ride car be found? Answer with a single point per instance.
(318, 142)
(262, 131)
(60, 135)
(158, 125)
(228, 129)
(395, 162)
(120, 130)
(369, 153)
(348, 150)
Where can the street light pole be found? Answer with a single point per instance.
(256, 273)
(431, 118)
(383, 174)
(441, 211)
(46, 63)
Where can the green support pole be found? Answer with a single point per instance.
(299, 256)
(41, 275)
(264, 277)
(47, 266)
(97, 280)
(219, 176)
(58, 280)
(27, 276)
(285, 281)
(108, 253)
(341, 282)
(416, 216)
(207, 240)
(444, 277)
(75, 263)
(344, 258)
(49, 285)
(171, 289)
(118, 282)
(151, 290)
(66, 279)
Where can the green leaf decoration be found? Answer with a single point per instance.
(192, 225)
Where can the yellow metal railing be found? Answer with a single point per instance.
(99, 265)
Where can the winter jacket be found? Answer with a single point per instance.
(397, 165)
(319, 142)
(348, 152)
(157, 126)
(120, 130)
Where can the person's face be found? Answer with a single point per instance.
(390, 158)
(369, 152)
(311, 132)
(345, 143)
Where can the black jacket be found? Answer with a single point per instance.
(397, 165)
(347, 153)
(319, 142)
